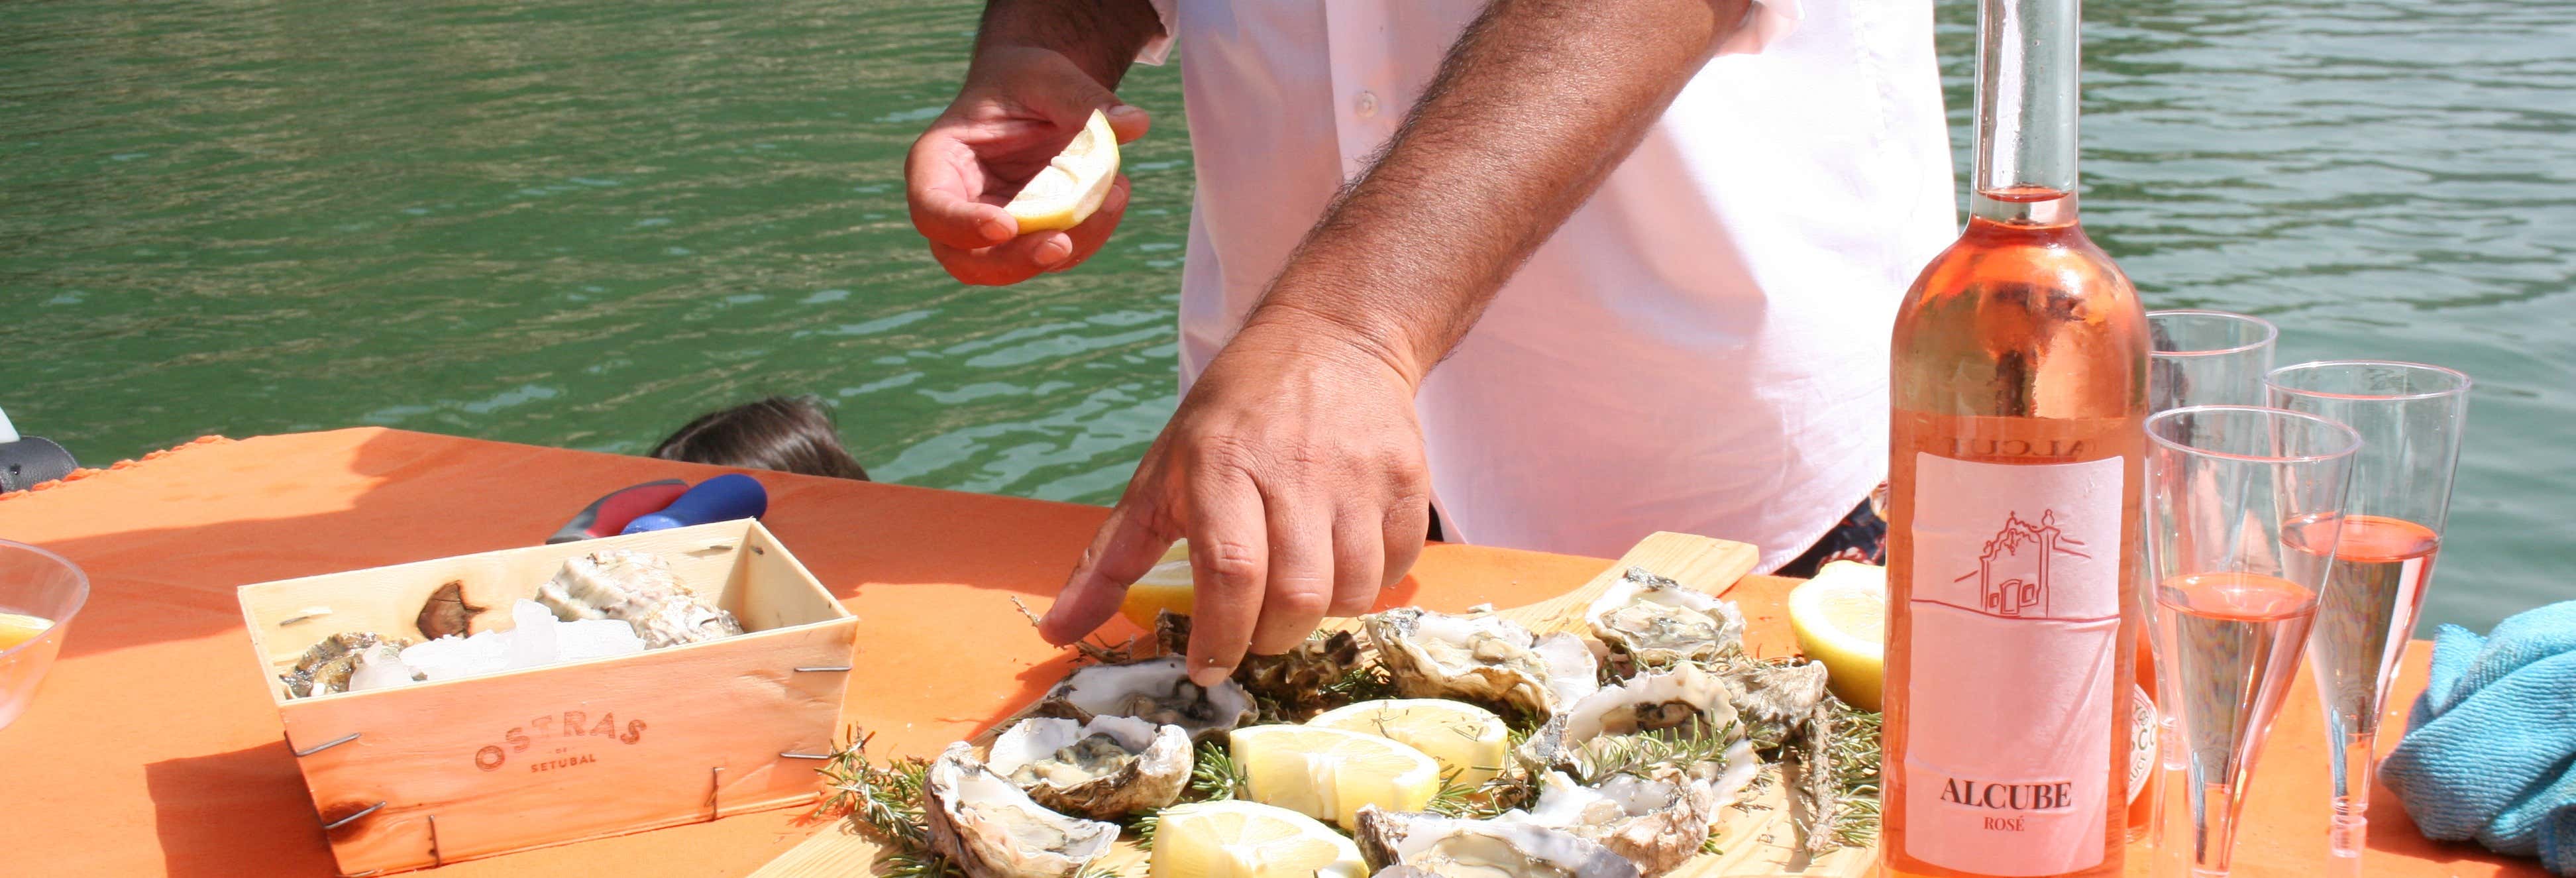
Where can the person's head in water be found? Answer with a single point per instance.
(787, 434)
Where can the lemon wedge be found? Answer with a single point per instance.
(1070, 187)
(1248, 840)
(1165, 587)
(1841, 619)
(1467, 741)
(16, 629)
(1328, 774)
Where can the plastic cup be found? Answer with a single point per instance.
(42, 585)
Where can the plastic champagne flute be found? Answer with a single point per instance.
(39, 594)
(2409, 417)
(2207, 358)
(2195, 357)
(2228, 490)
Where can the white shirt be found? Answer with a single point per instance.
(1702, 347)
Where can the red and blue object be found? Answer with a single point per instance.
(609, 515)
(723, 498)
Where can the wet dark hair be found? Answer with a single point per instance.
(783, 433)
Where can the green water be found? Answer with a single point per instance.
(581, 223)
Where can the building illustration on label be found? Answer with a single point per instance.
(2013, 572)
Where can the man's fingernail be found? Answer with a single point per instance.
(1123, 111)
(993, 229)
(1053, 253)
(1209, 675)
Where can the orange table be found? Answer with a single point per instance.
(154, 750)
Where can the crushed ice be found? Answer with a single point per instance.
(537, 639)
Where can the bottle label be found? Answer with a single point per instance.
(2142, 742)
(2016, 616)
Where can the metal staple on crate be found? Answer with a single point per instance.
(326, 745)
(715, 788)
(823, 669)
(344, 821)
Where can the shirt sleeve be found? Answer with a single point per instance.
(1160, 47)
(1766, 22)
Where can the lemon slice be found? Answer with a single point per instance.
(1165, 587)
(1248, 840)
(16, 629)
(1467, 741)
(1328, 774)
(1841, 620)
(1071, 186)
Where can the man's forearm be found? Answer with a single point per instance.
(1100, 36)
(1536, 103)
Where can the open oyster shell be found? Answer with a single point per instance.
(1658, 821)
(1293, 681)
(1657, 621)
(988, 827)
(639, 589)
(1415, 845)
(325, 668)
(1156, 690)
(1481, 658)
(1109, 767)
(1687, 697)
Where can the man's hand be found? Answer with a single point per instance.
(1295, 469)
(1019, 108)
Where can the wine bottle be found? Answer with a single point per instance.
(2018, 386)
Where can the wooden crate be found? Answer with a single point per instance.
(414, 776)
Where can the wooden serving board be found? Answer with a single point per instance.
(1757, 839)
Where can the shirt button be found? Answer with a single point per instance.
(1365, 105)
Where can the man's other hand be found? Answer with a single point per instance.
(1020, 106)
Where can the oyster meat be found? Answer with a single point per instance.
(325, 668)
(986, 826)
(639, 589)
(1156, 690)
(1656, 621)
(1658, 820)
(1481, 658)
(1431, 846)
(1109, 767)
(1687, 698)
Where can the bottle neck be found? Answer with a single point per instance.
(2029, 56)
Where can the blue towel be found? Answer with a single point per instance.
(2490, 752)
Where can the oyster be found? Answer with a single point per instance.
(325, 668)
(1109, 767)
(1687, 698)
(1657, 621)
(1156, 690)
(1431, 846)
(639, 589)
(1294, 680)
(1481, 658)
(988, 827)
(1658, 820)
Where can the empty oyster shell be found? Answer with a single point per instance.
(1481, 658)
(1156, 690)
(1432, 846)
(1109, 767)
(639, 589)
(1658, 821)
(1687, 697)
(325, 668)
(1657, 621)
(988, 827)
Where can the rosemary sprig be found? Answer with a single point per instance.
(884, 802)
(1144, 824)
(1854, 755)
(1640, 754)
(1215, 777)
(1367, 680)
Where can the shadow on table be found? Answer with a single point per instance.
(239, 813)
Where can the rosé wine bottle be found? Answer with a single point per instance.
(2019, 386)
